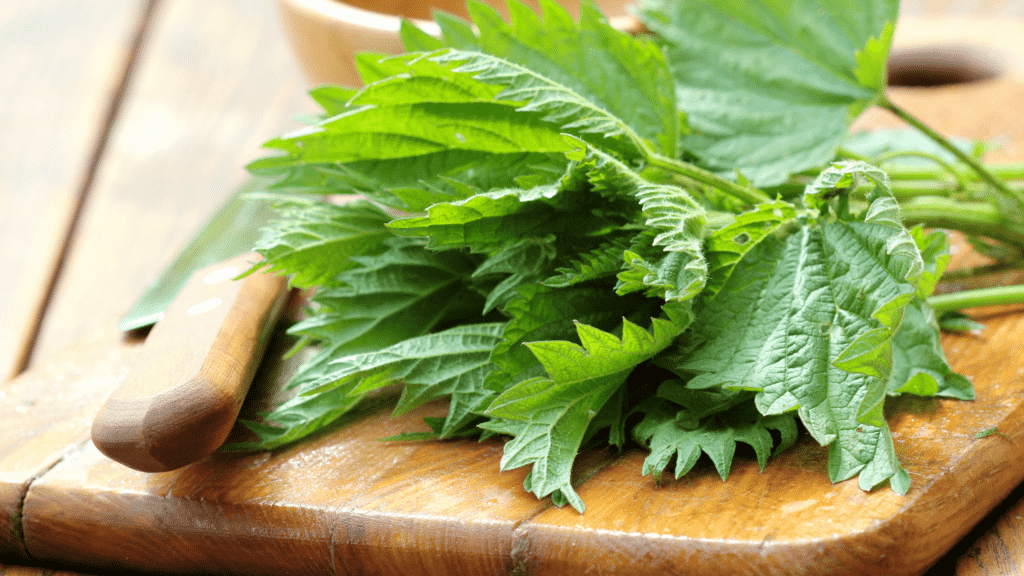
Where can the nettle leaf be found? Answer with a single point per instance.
(919, 364)
(316, 241)
(715, 436)
(602, 262)
(333, 99)
(676, 272)
(401, 293)
(934, 246)
(542, 313)
(625, 75)
(561, 107)
(484, 221)
(521, 263)
(301, 415)
(807, 321)
(424, 109)
(726, 246)
(674, 276)
(381, 132)
(452, 362)
(416, 77)
(556, 411)
(770, 88)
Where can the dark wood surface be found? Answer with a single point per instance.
(144, 114)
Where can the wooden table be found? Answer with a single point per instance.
(124, 124)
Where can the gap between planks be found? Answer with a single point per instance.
(23, 356)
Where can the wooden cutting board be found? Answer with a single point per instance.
(344, 502)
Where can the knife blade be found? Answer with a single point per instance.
(186, 387)
(231, 231)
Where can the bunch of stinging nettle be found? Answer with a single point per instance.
(581, 237)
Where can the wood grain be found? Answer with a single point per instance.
(30, 571)
(214, 81)
(184, 391)
(46, 413)
(345, 502)
(61, 64)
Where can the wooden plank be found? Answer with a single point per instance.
(47, 413)
(62, 63)
(345, 502)
(215, 80)
(342, 502)
(184, 106)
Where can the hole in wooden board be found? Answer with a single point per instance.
(943, 65)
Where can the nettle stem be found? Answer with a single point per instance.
(1004, 171)
(977, 298)
(747, 194)
(967, 159)
(977, 218)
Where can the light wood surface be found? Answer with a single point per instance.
(213, 80)
(49, 50)
(183, 393)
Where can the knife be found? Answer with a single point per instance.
(184, 390)
(231, 231)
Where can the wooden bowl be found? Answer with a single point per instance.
(325, 34)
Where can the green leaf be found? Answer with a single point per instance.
(726, 246)
(384, 132)
(770, 87)
(453, 363)
(611, 416)
(401, 293)
(602, 262)
(561, 107)
(543, 314)
(807, 321)
(416, 40)
(715, 436)
(934, 246)
(422, 110)
(522, 263)
(301, 415)
(679, 271)
(317, 241)
(557, 410)
(625, 75)
(333, 99)
(482, 222)
(415, 78)
(919, 364)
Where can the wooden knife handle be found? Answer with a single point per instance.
(184, 391)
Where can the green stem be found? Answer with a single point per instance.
(939, 139)
(847, 154)
(975, 298)
(949, 168)
(1005, 171)
(972, 217)
(745, 193)
(968, 274)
